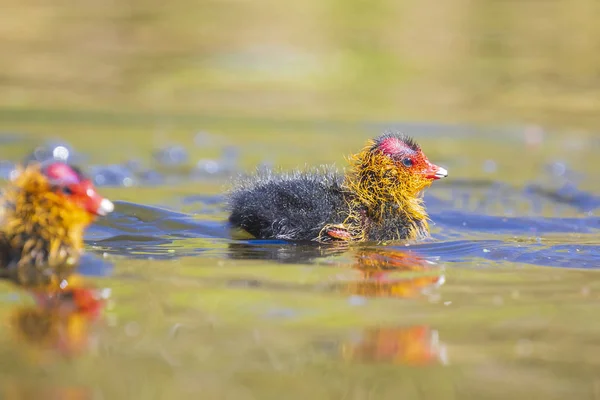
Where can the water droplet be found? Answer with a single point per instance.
(558, 168)
(490, 166)
(13, 175)
(112, 175)
(357, 301)
(210, 166)
(61, 153)
(171, 156)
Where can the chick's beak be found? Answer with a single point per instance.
(96, 204)
(441, 173)
(435, 172)
(106, 207)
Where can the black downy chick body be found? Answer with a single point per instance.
(292, 206)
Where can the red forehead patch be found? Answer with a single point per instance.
(62, 172)
(393, 145)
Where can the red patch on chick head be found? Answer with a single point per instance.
(75, 186)
(408, 154)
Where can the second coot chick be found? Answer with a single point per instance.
(378, 199)
(43, 215)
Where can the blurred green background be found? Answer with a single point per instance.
(488, 61)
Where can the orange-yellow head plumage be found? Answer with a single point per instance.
(387, 178)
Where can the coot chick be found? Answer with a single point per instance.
(378, 199)
(43, 214)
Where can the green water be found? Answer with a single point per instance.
(202, 316)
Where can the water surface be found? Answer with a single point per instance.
(501, 301)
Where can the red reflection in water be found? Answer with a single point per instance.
(415, 345)
(393, 274)
(403, 275)
(61, 317)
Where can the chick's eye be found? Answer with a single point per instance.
(407, 162)
(67, 190)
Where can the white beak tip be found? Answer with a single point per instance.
(106, 207)
(441, 173)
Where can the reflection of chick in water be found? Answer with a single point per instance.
(60, 319)
(380, 272)
(383, 272)
(416, 345)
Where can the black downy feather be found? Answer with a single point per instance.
(292, 206)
